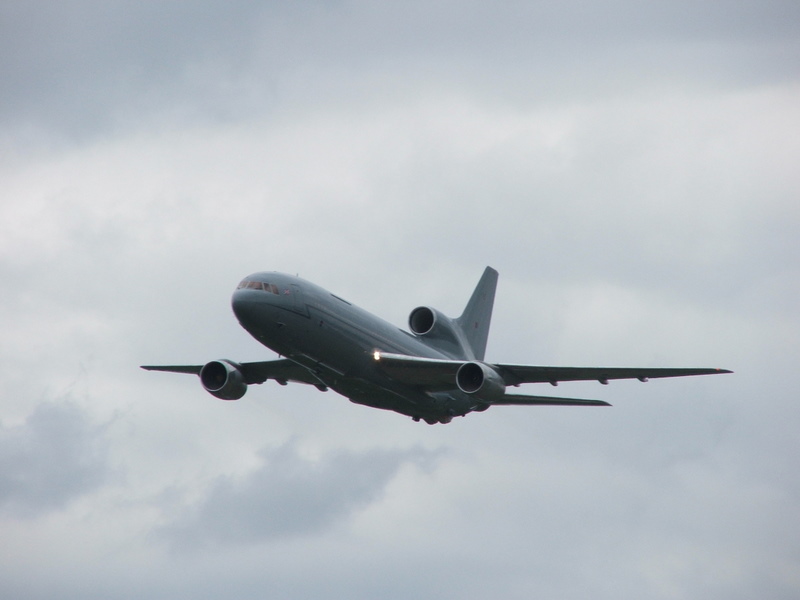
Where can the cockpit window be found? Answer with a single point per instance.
(258, 285)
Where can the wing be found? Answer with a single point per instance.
(192, 369)
(282, 371)
(516, 374)
(520, 400)
(441, 373)
(438, 374)
(431, 373)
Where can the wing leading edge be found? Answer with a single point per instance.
(516, 374)
(282, 371)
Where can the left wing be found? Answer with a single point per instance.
(282, 371)
(520, 400)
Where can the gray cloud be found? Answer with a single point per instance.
(71, 67)
(87, 67)
(290, 495)
(631, 170)
(56, 456)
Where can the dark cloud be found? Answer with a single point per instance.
(80, 67)
(290, 495)
(56, 456)
(85, 67)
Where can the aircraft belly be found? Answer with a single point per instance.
(434, 408)
(337, 344)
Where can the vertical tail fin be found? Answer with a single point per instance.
(477, 316)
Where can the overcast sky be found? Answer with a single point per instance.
(631, 169)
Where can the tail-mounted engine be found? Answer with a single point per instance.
(481, 381)
(437, 330)
(223, 379)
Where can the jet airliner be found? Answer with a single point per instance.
(434, 372)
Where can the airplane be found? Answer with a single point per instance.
(434, 372)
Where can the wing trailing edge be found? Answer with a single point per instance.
(282, 370)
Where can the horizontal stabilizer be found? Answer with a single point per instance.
(520, 400)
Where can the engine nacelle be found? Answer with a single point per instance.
(481, 381)
(223, 379)
(423, 319)
(437, 329)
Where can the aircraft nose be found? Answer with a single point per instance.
(243, 306)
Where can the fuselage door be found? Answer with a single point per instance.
(298, 303)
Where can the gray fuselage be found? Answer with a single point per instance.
(336, 340)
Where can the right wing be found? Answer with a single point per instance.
(440, 374)
(516, 374)
(282, 371)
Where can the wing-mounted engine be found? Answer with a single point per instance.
(223, 379)
(438, 331)
(480, 380)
